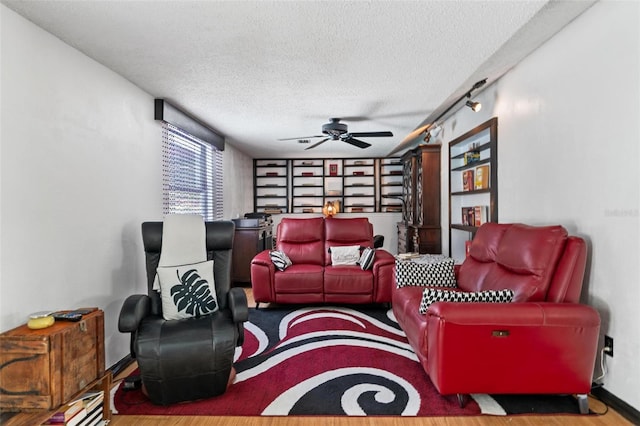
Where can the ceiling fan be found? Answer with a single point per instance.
(335, 130)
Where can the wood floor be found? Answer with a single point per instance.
(608, 418)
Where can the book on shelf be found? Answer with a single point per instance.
(471, 157)
(482, 177)
(357, 209)
(480, 215)
(307, 163)
(333, 169)
(467, 180)
(468, 216)
(307, 210)
(271, 174)
(272, 211)
(395, 172)
(474, 216)
(65, 413)
(307, 174)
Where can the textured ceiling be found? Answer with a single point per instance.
(258, 71)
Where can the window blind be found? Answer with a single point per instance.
(191, 175)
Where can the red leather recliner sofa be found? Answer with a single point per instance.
(544, 342)
(312, 278)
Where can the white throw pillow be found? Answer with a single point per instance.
(345, 255)
(187, 290)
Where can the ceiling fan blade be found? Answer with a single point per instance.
(371, 134)
(317, 143)
(302, 137)
(357, 142)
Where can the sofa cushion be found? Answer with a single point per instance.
(302, 240)
(432, 295)
(348, 280)
(517, 257)
(356, 231)
(299, 279)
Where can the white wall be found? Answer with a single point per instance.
(568, 153)
(80, 171)
(81, 168)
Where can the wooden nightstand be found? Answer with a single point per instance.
(43, 369)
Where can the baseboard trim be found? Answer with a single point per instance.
(624, 409)
(121, 365)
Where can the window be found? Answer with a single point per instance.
(191, 175)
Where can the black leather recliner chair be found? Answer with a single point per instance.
(186, 359)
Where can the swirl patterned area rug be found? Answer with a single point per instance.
(325, 361)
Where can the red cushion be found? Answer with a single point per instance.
(517, 257)
(348, 279)
(347, 232)
(302, 240)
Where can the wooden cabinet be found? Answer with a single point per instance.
(43, 369)
(247, 242)
(473, 184)
(421, 192)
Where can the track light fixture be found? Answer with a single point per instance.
(426, 128)
(435, 130)
(475, 106)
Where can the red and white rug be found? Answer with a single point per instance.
(328, 361)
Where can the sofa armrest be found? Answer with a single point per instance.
(134, 309)
(536, 347)
(238, 305)
(262, 277)
(383, 268)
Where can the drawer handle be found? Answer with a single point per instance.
(500, 333)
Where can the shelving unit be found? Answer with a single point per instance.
(307, 186)
(473, 200)
(391, 193)
(358, 185)
(271, 186)
(334, 182)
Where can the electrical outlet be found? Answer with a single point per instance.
(608, 343)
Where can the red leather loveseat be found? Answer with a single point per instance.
(312, 278)
(544, 342)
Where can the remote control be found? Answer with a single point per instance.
(67, 316)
